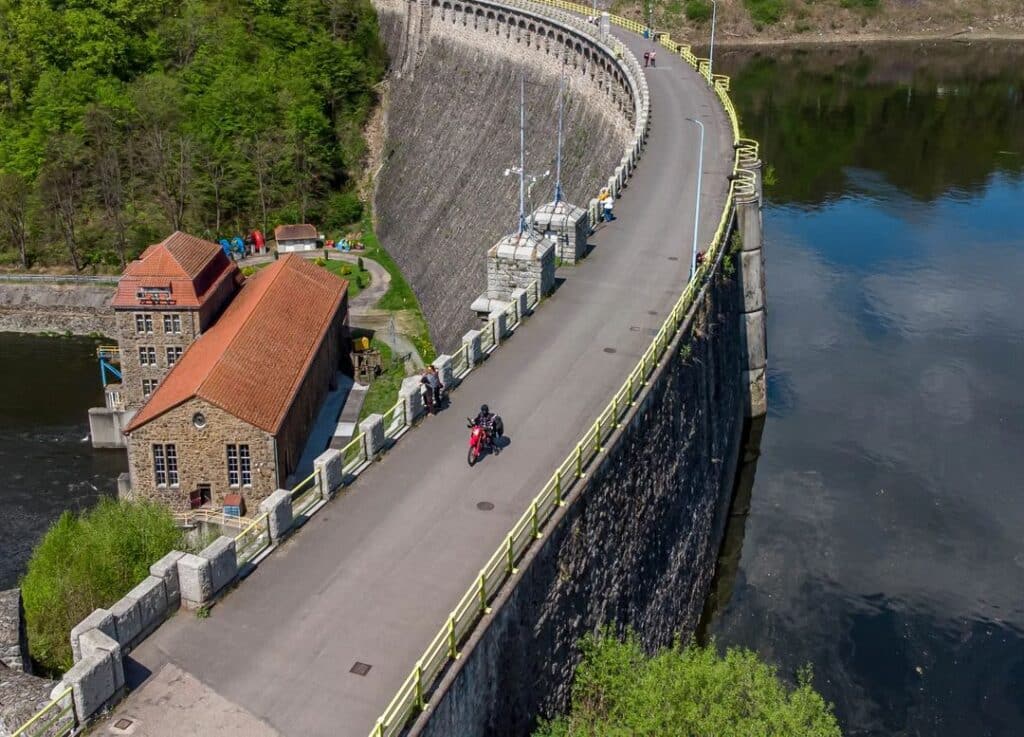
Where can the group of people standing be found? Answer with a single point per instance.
(605, 204)
(433, 389)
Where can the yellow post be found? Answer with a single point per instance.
(419, 683)
(631, 394)
(558, 488)
(579, 462)
(510, 554)
(379, 730)
(643, 369)
(536, 523)
(597, 436)
(615, 410)
(453, 653)
(483, 592)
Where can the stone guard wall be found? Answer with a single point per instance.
(635, 546)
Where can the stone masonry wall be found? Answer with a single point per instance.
(202, 456)
(132, 371)
(452, 130)
(80, 309)
(635, 547)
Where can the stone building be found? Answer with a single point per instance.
(291, 238)
(234, 413)
(165, 300)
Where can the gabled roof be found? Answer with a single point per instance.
(187, 267)
(253, 360)
(294, 232)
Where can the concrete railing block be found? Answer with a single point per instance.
(754, 339)
(521, 298)
(93, 684)
(127, 620)
(411, 396)
(278, 508)
(100, 619)
(443, 364)
(499, 324)
(194, 580)
(151, 596)
(223, 562)
(752, 280)
(373, 434)
(330, 471)
(95, 642)
(471, 344)
(167, 569)
(613, 186)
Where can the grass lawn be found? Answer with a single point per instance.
(383, 393)
(358, 280)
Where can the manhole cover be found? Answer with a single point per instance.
(360, 669)
(652, 312)
(609, 350)
(634, 328)
(484, 506)
(122, 724)
(673, 258)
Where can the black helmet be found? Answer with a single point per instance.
(484, 409)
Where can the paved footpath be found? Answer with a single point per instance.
(372, 577)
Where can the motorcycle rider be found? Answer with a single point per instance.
(486, 420)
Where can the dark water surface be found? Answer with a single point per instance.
(47, 464)
(885, 538)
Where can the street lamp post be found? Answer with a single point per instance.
(696, 207)
(711, 54)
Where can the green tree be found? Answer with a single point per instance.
(620, 691)
(89, 561)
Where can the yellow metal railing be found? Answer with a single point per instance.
(353, 454)
(56, 719)
(253, 540)
(395, 420)
(413, 693)
(305, 494)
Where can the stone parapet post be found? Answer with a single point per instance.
(753, 333)
(223, 562)
(443, 364)
(471, 344)
(194, 580)
(280, 514)
(166, 569)
(499, 324)
(96, 643)
(374, 437)
(329, 468)
(521, 299)
(411, 397)
(100, 619)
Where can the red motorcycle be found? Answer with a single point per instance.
(481, 439)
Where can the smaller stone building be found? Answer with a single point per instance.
(234, 413)
(292, 238)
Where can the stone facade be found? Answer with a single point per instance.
(130, 341)
(516, 261)
(13, 642)
(635, 545)
(202, 456)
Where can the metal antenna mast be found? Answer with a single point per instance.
(558, 159)
(522, 154)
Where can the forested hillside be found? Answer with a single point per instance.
(121, 120)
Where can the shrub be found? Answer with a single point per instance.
(343, 208)
(320, 261)
(860, 4)
(699, 11)
(766, 12)
(248, 270)
(618, 690)
(89, 561)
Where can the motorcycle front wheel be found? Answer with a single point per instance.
(471, 457)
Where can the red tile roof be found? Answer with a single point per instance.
(294, 232)
(188, 267)
(253, 360)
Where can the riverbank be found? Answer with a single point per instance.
(56, 308)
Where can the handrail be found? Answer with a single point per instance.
(412, 695)
(34, 727)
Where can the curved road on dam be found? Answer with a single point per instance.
(372, 577)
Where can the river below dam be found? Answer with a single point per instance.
(884, 544)
(46, 461)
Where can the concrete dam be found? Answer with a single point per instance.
(427, 597)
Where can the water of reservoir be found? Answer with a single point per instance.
(884, 543)
(47, 464)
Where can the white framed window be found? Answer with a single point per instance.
(143, 323)
(148, 386)
(172, 323)
(147, 355)
(173, 354)
(239, 465)
(165, 464)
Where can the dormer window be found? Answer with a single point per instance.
(155, 295)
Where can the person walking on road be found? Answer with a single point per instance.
(652, 57)
(647, 58)
(608, 204)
